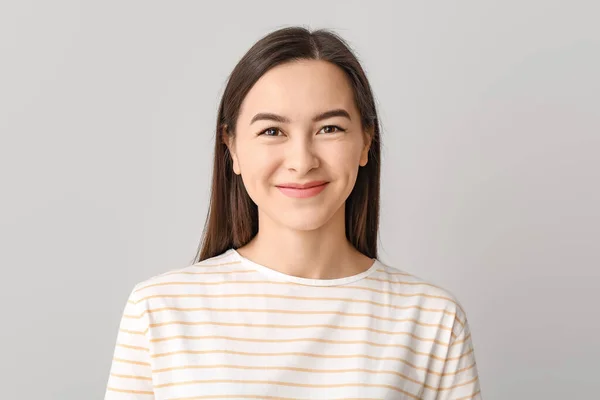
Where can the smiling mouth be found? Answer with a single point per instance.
(303, 192)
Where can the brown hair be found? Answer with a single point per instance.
(232, 219)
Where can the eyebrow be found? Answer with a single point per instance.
(278, 118)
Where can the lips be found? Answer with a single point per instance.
(302, 191)
(302, 185)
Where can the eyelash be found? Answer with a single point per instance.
(262, 133)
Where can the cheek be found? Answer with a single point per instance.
(344, 158)
(258, 166)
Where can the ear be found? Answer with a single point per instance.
(229, 141)
(368, 138)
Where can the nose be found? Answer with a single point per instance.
(300, 156)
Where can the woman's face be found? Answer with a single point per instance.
(289, 146)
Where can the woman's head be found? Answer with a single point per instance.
(297, 108)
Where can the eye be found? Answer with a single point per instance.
(273, 132)
(331, 127)
(268, 131)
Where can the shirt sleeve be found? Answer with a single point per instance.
(460, 377)
(131, 372)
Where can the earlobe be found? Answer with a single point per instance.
(236, 167)
(364, 156)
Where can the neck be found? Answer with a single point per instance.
(323, 253)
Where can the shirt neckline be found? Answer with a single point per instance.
(307, 281)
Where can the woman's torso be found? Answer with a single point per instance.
(229, 328)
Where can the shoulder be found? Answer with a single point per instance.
(425, 293)
(176, 280)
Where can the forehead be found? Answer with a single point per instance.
(299, 90)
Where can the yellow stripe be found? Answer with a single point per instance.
(145, 364)
(461, 356)
(274, 296)
(469, 397)
(112, 389)
(387, 271)
(281, 383)
(393, 345)
(404, 282)
(133, 332)
(182, 270)
(315, 355)
(277, 311)
(456, 373)
(306, 370)
(296, 284)
(429, 296)
(278, 326)
(208, 272)
(127, 346)
(144, 378)
(287, 368)
(461, 341)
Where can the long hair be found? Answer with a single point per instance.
(232, 219)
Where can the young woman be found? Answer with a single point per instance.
(286, 298)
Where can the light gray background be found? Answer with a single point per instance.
(491, 133)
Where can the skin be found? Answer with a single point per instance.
(301, 237)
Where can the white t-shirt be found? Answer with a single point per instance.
(228, 328)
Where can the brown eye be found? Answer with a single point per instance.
(269, 131)
(331, 129)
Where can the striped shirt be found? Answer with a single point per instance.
(229, 328)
